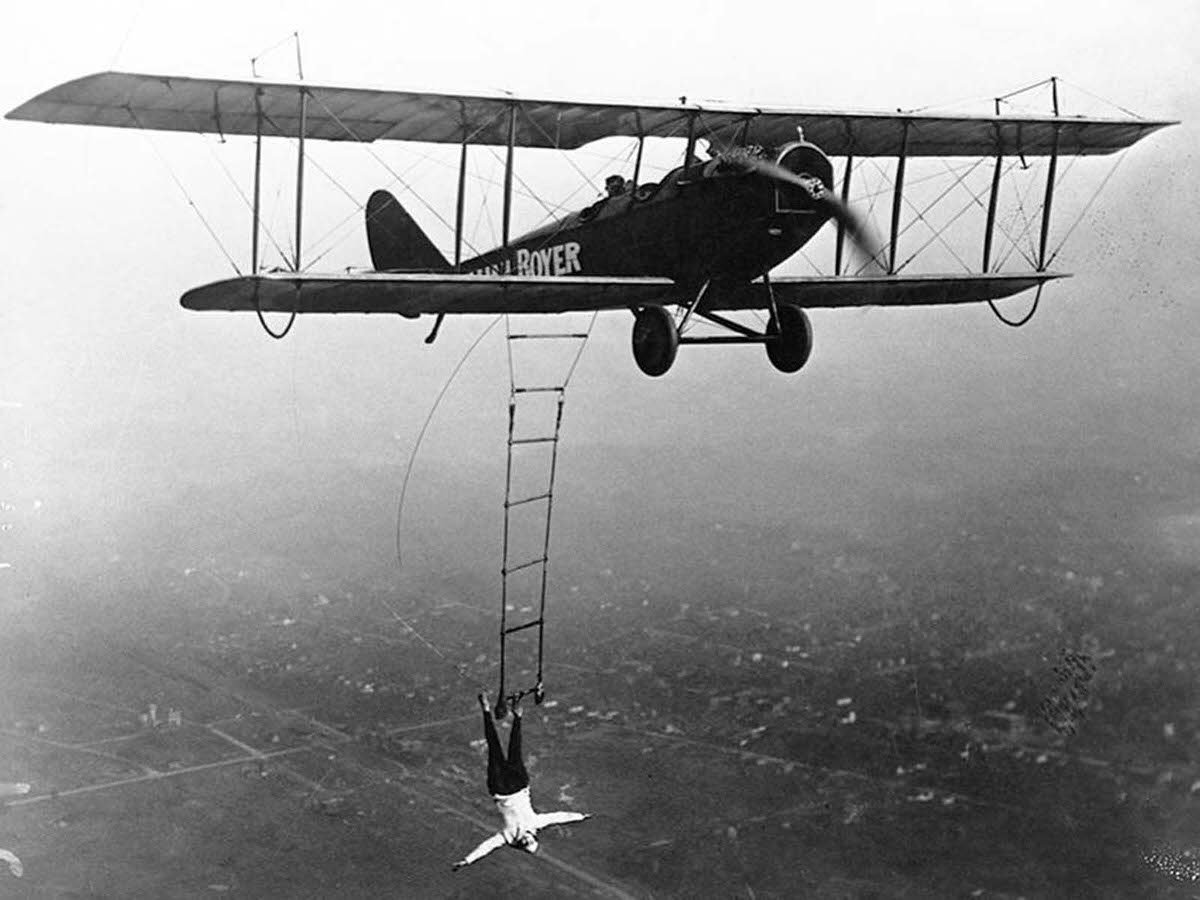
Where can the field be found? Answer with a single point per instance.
(749, 707)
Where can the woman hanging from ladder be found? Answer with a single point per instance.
(508, 783)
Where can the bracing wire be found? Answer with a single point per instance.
(959, 179)
(187, 196)
(133, 20)
(1104, 100)
(608, 161)
(425, 427)
(241, 193)
(583, 344)
(1025, 231)
(379, 159)
(1087, 206)
(525, 187)
(485, 211)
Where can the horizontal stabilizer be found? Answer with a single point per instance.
(412, 294)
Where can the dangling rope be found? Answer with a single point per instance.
(279, 336)
(1029, 315)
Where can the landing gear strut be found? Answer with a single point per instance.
(789, 338)
(655, 340)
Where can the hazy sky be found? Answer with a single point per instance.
(100, 241)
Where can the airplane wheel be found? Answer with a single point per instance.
(791, 341)
(501, 709)
(655, 340)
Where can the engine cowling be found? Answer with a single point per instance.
(808, 161)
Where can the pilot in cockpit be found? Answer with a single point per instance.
(615, 186)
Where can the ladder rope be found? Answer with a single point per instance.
(517, 393)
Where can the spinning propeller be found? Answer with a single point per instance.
(856, 226)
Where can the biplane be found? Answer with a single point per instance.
(697, 243)
(702, 240)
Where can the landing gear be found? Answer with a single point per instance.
(655, 340)
(788, 335)
(789, 338)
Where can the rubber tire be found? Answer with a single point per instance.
(792, 339)
(655, 340)
(500, 710)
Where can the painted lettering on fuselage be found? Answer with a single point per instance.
(552, 261)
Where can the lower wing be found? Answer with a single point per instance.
(416, 293)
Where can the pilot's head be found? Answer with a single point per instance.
(526, 841)
(614, 185)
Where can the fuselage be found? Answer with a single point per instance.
(706, 221)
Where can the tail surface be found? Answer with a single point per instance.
(396, 240)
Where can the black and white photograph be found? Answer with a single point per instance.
(600, 450)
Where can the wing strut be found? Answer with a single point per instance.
(897, 196)
(254, 225)
(841, 226)
(989, 228)
(535, 410)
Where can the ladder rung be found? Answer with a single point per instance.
(512, 503)
(531, 337)
(524, 565)
(537, 390)
(536, 440)
(522, 627)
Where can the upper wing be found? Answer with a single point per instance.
(412, 294)
(171, 103)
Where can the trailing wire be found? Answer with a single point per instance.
(425, 427)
